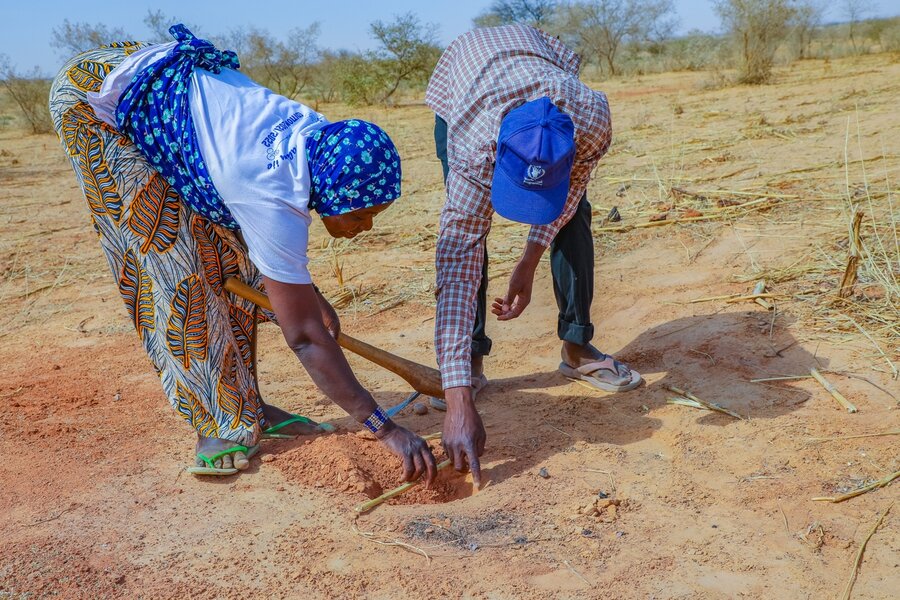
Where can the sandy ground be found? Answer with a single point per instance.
(94, 501)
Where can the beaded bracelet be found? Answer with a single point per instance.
(376, 420)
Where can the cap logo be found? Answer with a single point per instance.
(533, 175)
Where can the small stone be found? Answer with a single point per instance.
(544, 473)
(117, 397)
(429, 530)
(602, 494)
(587, 532)
(267, 458)
(601, 504)
(620, 534)
(420, 409)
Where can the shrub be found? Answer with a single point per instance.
(758, 28)
(30, 93)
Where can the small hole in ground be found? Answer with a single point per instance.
(363, 467)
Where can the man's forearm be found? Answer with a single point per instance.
(532, 254)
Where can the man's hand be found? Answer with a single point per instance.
(329, 316)
(518, 296)
(463, 437)
(412, 450)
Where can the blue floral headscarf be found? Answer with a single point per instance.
(155, 114)
(353, 164)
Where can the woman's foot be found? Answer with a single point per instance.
(210, 446)
(275, 415)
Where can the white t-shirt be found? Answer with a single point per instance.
(253, 142)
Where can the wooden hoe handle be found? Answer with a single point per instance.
(422, 379)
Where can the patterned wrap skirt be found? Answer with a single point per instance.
(169, 264)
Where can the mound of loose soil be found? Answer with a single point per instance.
(358, 465)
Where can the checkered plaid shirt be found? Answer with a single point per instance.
(481, 76)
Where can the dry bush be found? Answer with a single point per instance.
(73, 38)
(602, 29)
(758, 28)
(30, 93)
(537, 13)
(286, 67)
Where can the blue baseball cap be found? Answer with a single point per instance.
(535, 151)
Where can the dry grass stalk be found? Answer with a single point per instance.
(860, 491)
(693, 401)
(859, 553)
(832, 390)
(370, 504)
(853, 437)
(731, 298)
(850, 273)
(373, 537)
(736, 210)
(781, 378)
(754, 297)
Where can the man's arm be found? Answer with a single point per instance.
(465, 222)
(521, 281)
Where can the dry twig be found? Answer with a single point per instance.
(859, 553)
(370, 504)
(373, 537)
(832, 390)
(853, 437)
(849, 278)
(859, 492)
(693, 401)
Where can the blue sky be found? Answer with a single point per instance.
(27, 24)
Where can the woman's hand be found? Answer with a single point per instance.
(329, 316)
(412, 450)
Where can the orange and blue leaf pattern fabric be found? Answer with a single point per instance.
(154, 215)
(136, 288)
(99, 187)
(88, 75)
(194, 413)
(168, 263)
(218, 259)
(242, 323)
(186, 332)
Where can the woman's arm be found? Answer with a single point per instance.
(298, 309)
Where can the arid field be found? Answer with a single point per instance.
(740, 184)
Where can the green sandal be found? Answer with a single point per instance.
(270, 433)
(210, 461)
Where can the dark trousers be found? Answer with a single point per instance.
(571, 264)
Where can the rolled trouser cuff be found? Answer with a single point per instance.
(575, 333)
(481, 347)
